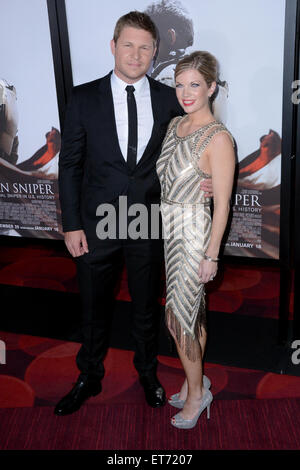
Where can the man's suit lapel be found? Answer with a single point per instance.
(108, 114)
(156, 104)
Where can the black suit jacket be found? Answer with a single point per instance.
(92, 169)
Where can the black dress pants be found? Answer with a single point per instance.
(98, 272)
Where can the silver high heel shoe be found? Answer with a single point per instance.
(179, 422)
(178, 403)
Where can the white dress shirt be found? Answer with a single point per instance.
(144, 112)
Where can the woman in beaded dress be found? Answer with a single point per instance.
(196, 147)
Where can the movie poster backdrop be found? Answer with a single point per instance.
(29, 123)
(247, 37)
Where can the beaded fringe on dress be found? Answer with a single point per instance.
(188, 343)
(186, 220)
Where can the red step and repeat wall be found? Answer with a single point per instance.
(247, 37)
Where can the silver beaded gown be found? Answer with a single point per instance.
(186, 222)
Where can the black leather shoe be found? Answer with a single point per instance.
(154, 392)
(82, 390)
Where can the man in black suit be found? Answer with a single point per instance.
(112, 139)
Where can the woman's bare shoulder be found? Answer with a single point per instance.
(222, 138)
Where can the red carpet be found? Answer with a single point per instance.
(234, 424)
(251, 409)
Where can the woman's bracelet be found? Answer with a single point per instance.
(208, 258)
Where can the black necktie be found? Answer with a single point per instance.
(132, 128)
